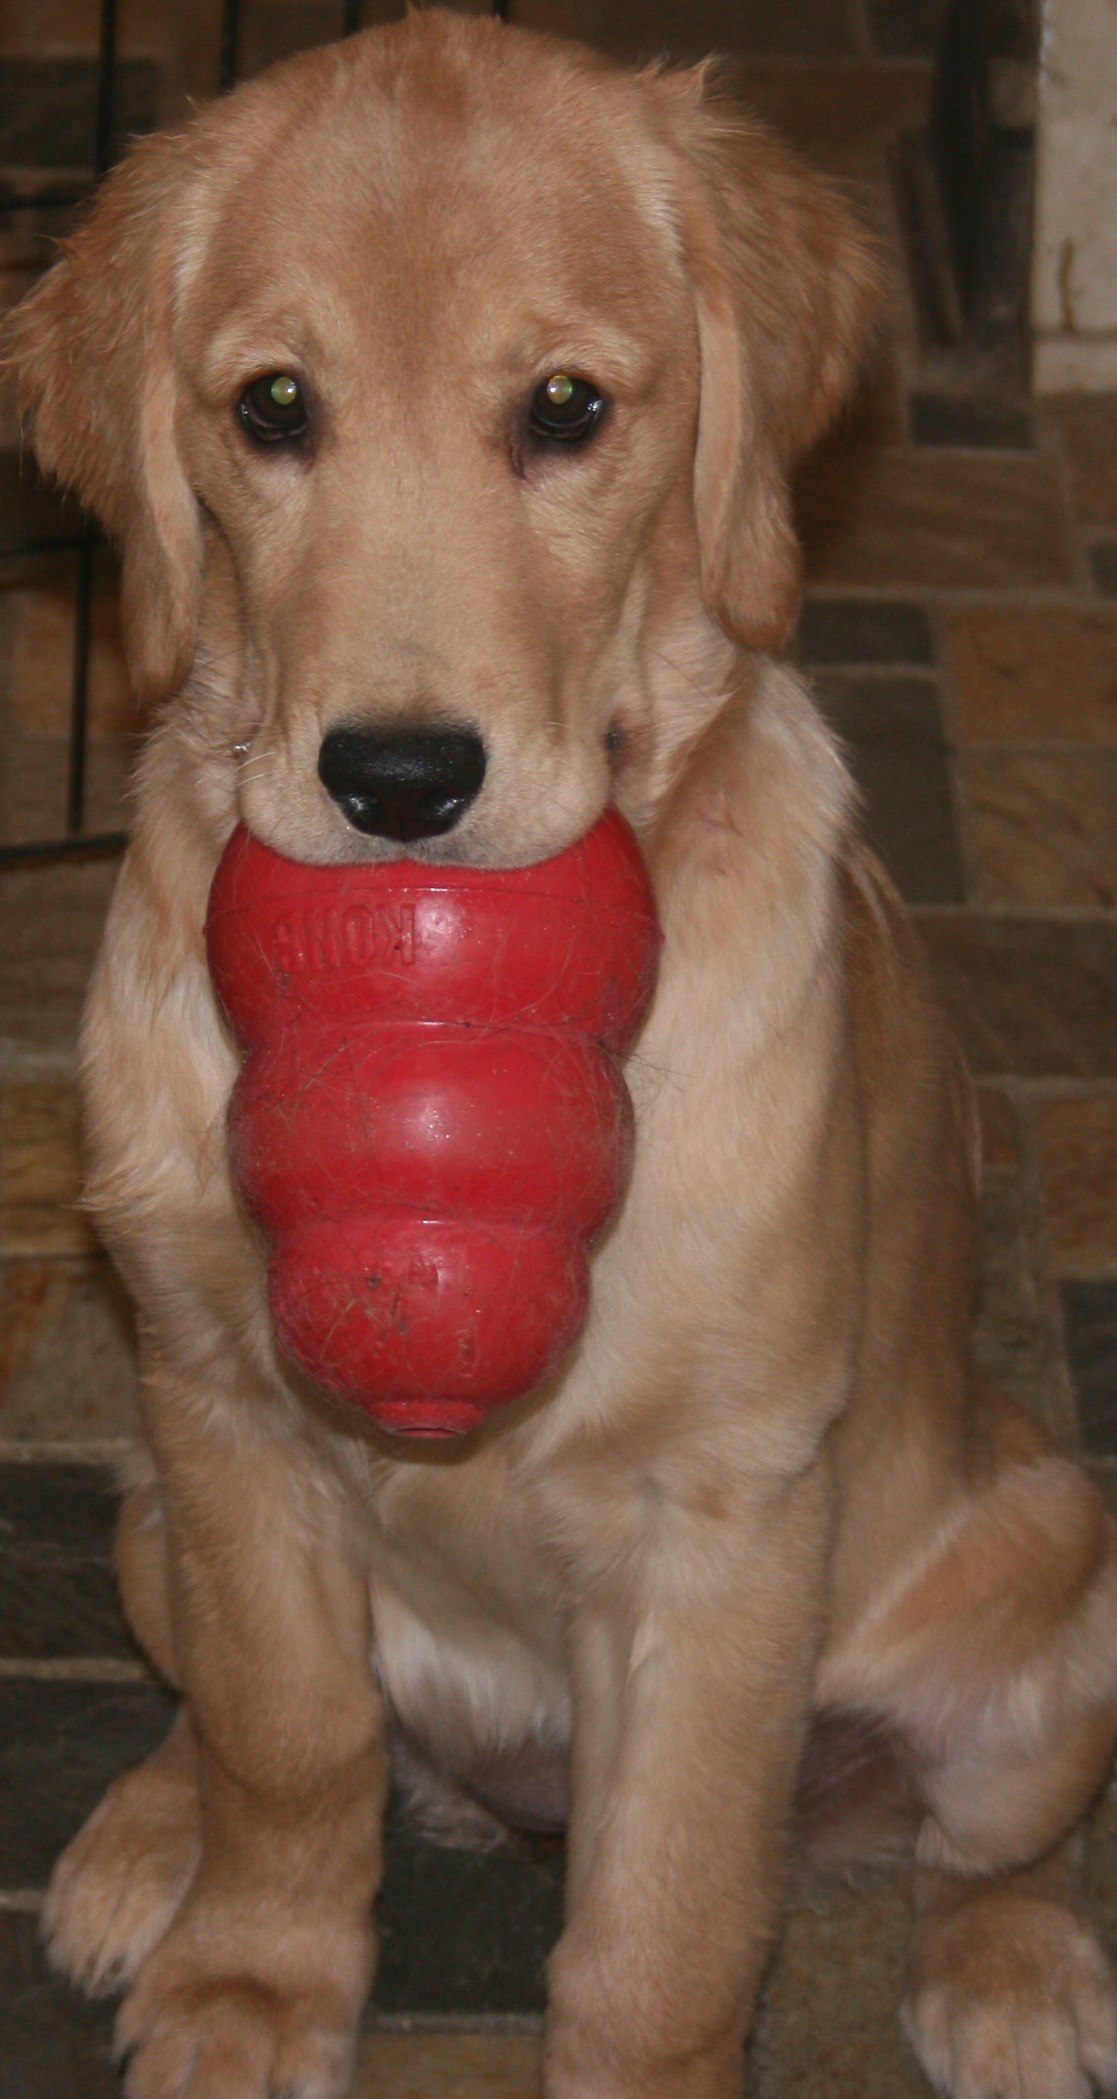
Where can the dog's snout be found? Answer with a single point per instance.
(409, 784)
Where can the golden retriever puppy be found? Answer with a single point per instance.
(451, 378)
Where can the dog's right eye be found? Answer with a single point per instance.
(273, 409)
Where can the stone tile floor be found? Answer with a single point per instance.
(962, 632)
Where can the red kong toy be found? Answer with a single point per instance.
(431, 1125)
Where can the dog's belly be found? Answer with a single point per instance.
(479, 1701)
(529, 1788)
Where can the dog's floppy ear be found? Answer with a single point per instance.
(93, 352)
(785, 287)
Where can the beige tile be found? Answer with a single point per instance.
(50, 926)
(1034, 674)
(934, 520)
(829, 2026)
(1078, 1157)
(40, 1171)
(1084, 426)
(1043, 826)
(448, 2066)
(67, 1355)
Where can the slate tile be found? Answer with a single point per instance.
(462, 1932)
(1103, 567)
(973, 425)
(57, 1593)
(864, 630)
(60, 1745)
(465, 1931)
(56, 2044)
(893, 734)
(1090, 1320)
(1031, 997)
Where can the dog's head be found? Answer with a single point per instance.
(442, 389)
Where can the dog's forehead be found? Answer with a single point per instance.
(444, 193)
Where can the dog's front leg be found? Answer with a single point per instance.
(257, 1987)
(692, 1680)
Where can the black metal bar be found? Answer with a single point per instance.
(105, 126)
(103, 142)
(230, 45)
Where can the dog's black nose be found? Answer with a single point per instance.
(411, 784)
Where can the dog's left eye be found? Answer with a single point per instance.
(273, 409)
(565, 410)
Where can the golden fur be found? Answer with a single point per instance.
(767, 1485)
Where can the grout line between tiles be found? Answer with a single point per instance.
(102, 1450)
(924, 672)
(25, 1901)
(1021, 914)
(512, 2023)
(77, 1669)
(1053, 597)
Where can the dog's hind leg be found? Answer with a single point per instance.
(995, 1663)
(1010, 1995)
(119, 1884)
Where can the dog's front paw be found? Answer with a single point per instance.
(1013, 1998)
(231, 2008)
(117, 1888)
